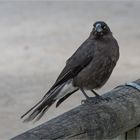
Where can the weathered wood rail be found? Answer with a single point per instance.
(90, 121)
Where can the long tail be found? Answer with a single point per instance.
(37, 111)
(60, 92)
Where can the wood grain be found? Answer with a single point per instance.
(92, 120)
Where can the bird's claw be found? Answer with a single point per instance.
(107, 99)
(104, 99)
(83, 102)
(96, 100)
(89, 100)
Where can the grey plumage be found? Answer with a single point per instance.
(87, 69)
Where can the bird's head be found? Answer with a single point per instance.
(100, 28)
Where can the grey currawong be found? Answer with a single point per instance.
(88, 68)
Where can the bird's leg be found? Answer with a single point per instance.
(100, 97)
(87, 97)
(97, 95)
(96, 99)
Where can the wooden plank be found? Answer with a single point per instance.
(92, 121)
(138, 132)
(120, 137)
(131, 134)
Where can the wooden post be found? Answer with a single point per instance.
(90, 121)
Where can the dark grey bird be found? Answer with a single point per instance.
(88, 68)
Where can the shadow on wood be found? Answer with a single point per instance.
(104, 120)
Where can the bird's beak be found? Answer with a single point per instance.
(98, 28)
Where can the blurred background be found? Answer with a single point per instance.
(36, 38)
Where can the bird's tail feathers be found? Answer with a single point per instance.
(37, 111)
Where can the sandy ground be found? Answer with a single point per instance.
(36, 38)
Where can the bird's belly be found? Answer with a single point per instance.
(95, 75)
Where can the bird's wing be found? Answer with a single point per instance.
(78, 61)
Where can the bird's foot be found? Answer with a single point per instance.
(83, 102)
(88, 100)
(96, 100)
(101, 98)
